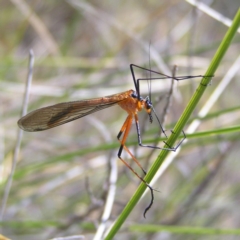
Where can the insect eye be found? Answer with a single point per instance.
(148, 104)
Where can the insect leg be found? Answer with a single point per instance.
(155, 147)
(126, 128)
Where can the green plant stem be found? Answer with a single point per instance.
(179, 126)
(184, 230)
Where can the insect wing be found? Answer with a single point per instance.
(55, 115)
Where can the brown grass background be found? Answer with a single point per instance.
(83, 50)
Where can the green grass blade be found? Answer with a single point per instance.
(184, 230)
(180, 124)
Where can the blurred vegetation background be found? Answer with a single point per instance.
(82, 50)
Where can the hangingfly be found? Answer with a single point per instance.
(131, 101)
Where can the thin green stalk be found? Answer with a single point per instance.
(179, 126)
(184, 230)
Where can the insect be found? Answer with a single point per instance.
(131, 101)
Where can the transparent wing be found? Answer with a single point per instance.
(55, 115)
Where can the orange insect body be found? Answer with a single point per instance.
(132, 105)
(58, 114)
(61, 113)
(131, 101)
